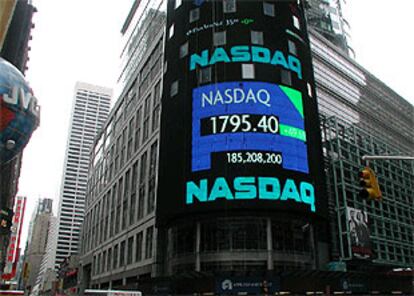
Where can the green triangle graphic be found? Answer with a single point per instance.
(295, 97)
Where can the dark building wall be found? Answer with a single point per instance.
(16, 45)
(15, 50)
(201, 44)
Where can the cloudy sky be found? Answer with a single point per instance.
(79, 40)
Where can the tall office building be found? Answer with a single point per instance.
(47, 265)
(326, 17)
(228, 252)
(43, 205)
(37, 241)
(90, 110)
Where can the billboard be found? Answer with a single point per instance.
(239, 122)
(13, 249)
(247, 285)
(359, 233)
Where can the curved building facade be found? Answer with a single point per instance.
(240, 142)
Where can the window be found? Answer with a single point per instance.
(174, 88)
(296, 22)
(148, 242)
(229, 6)
(138, 254)
(309, 89)
(133, 193)
(268, 9)
(138, 129)
(219, 38)
(127, 183)
(286, 77)
(109, 260)
(171, 31)
(156, 106)
(248, 71)
(257, 37)
(204, 75)
(103, 266)
(152, 174)
(125, 213)
(155, 117)
(132, 208)
(130, 248)
(115, 262)
(184, 50)
(157, 93)
(147, 106)
(292, 47)
(194, 15)
(122, 254)
(142, 187)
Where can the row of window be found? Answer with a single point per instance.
(136, 91)
(237, 234)
(247, 72)
(152, 21)
(138, 131)
(127, 201)
(230, 6)
(127, 252)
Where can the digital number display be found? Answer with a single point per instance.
(247, 116)
(237, 123)
(254, 157)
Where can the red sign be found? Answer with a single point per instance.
(14, 243)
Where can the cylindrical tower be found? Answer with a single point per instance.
(241, 172)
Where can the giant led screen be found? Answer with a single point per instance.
(239, 123)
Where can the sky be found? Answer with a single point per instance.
(80, 40)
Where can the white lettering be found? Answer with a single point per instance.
(235, 96)
(23, 99)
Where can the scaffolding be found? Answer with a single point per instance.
(391, 221)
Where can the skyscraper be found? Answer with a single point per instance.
(36, 246)
(46, 269)
(325, 16)
(89, 112)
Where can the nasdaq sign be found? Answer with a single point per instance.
(237, 140)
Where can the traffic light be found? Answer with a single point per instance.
(369, 184)
(6, 220)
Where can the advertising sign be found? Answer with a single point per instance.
(239, 123)
(13, 249)
(19, 111)
(358, 227)
(248, 285)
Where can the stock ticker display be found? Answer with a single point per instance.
(239, 122)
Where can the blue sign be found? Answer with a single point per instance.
(199, 2)
(249, 116)
(254, 285)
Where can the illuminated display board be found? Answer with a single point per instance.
(239, 123)
(14, 244)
